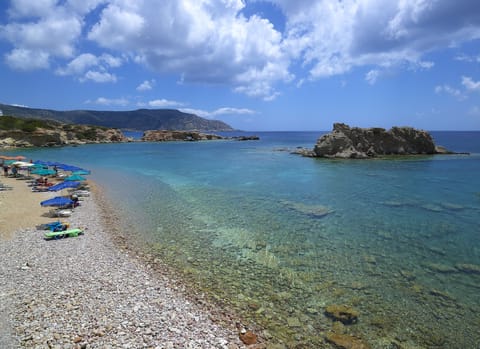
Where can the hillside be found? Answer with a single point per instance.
(141, 119)
(29, 132)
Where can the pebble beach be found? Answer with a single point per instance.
(89, 291)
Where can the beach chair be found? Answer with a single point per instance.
(60, 213)
(55, 226)
(55, 235)
(48, 226)
(4, 187)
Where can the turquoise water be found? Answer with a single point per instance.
(277, 237)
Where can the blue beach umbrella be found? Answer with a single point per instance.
(81, 172)
(57, 201)
(43, 172)
(64, 185)
(75, 178)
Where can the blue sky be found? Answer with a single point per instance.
(257, 65)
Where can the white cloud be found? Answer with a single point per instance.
(98, 76)
(451, 91)
(50, 36)
(219, 111)
(372, 76)
(199, 112)
(90, 67)
(121, 102)
(49, 29)
(467, 58)
(146, 85)
(231, 111)
(211, 41)
(208, 42)
(163, 103)
(470, 84)
(24, 59)
(28, 8)
(79, 65)
(333, 37)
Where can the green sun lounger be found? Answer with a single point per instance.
(63, 234)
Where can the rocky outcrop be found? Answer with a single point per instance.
(168, 136)
(59, 136)
(354, 142)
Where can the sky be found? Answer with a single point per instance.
(258, 65)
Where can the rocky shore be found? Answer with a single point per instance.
(87, 292)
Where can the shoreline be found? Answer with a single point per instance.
(95, 291)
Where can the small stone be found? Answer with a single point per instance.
(293, 322)
(248, 338)
(77, 339)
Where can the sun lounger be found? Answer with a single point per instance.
(5, 187)
(81, 193)
(54, 226)
(62, 234)
(60, 213)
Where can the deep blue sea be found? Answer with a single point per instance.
(277, 237)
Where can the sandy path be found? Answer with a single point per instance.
(20, 207)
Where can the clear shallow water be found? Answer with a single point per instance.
(278, 237)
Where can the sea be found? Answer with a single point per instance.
(275, 237)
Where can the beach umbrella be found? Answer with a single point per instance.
(64, 185)
(75, 178)
(18, 157)
(22, 164)
(38, 166)
(81, 172)
(57, 201)
(43, 172)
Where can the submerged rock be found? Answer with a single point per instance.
(317, 211)
(343, 313)
(441, 268)
(468, 268)
(345, 341)
(361, 143)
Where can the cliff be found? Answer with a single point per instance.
(360, 143)
(141, 119)
(15, 132)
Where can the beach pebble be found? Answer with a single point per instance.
(84, 292)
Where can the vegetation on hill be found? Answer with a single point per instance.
(25, 132)
(141, 119)
(9, 123)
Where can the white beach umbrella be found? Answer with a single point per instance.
(22, 164)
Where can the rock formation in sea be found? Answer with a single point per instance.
(360, 143)
(178, 135)
(167, 135)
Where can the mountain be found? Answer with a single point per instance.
(141, 119)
